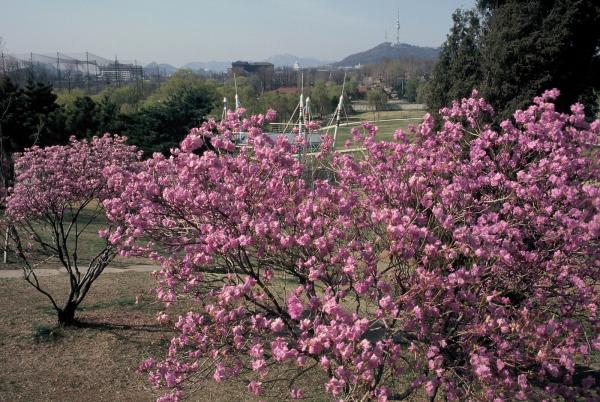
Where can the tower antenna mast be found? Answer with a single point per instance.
(398, 29)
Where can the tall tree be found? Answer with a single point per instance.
(28, 117)
(107, 115)
(11, 100)
(458, 69)
(512, 50)
(411, 88)
(82, 118)
(376, 99)
(530, 46)
(320, 98)
(162, 126)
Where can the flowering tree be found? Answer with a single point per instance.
(57, 195)
(464, 263)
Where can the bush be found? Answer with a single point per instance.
(465, 262)
(56, 197)
(44, 333)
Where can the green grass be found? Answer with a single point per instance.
(46, 333)
(89, 244)
(122, 302)
(389, 114)
(118, 303)
(386, 128)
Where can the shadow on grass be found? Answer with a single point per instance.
(121, 302)
(145, 337)
(107, 326)
(48, 332)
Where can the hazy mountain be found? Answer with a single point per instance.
(379, 52)
(215, 66)
(279, 60)
(282, 60)
(164, 68)
(388, 50)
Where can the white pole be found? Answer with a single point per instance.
(301, 110)
(5, 254)
(301, 114)
(224, 115)
(237, 105)
(237, 99)
(306, 120)
(338, 112)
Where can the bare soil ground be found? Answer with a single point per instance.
(98, 360)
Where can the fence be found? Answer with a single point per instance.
(69, 71)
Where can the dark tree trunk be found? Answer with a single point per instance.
(66, 316)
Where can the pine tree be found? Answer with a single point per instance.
(458, 69)
(513, 50)
(530, 46)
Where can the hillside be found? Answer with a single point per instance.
(214, 66)
(162, 67)
(388, 50)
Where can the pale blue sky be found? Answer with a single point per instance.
(180, 31)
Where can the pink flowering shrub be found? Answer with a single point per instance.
(464, 263)
(56, 197)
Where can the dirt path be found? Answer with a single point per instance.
(18, 273)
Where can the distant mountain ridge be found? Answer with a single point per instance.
(391, 51)
(163, 68)
(214, 66)
(382, 51)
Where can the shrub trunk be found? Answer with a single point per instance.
(66, 316)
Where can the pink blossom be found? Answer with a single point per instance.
(461, 260)
(254, 387)
(296, 393)
(295, 307)
(270, 115)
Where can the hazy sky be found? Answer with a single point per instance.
(180, 31)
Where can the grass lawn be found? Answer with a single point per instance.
(97, 361)
(89, 243)
(386, 128)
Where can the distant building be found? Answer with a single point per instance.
(285, 77)
(263, 70)
(118, 72)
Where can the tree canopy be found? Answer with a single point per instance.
(511, 50)
(463, 262)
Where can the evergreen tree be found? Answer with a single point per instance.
(411, 89)
(28, 117)
(82, 118)
(458, 68)
(107, 115)
(162, 126)
(533, 45)
(513, 50)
